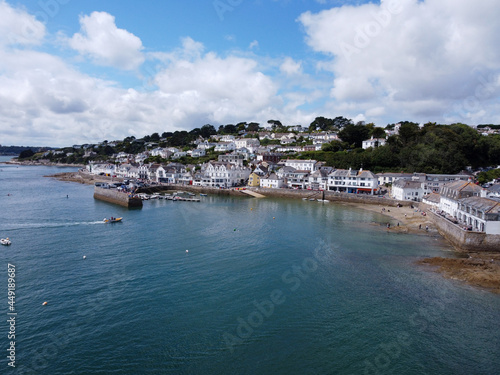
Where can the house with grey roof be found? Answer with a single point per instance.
(353, 181)
(479, 214)
(452, 192)
(405, 190)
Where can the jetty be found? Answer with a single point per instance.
(117, 197)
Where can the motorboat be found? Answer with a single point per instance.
(5, 241)
(203, 195)
(113, 220)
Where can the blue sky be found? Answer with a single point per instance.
(76, 71)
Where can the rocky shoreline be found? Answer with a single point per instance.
(478, 269)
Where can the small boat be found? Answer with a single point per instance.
(304, 199)
(113, 220)
(203, 195)
(5, 241)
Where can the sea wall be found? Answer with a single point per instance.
(116, 197)
(284, 193)
(465, 240)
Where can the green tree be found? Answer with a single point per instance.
(26, 154)
(378, 133)
(354, 134)
(253, 127)
(208, 130)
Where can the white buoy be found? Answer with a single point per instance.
(84, 257)
(187, 251)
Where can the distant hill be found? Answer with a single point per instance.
(16, 150)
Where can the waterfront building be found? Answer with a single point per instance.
(217, 174)
(353, 181)
(272, 182)
(318, 180)
(452, 192)
(479, 214)
(389, 178)
(297, 179)
(405, 190)
(253, 180)
(434, 182)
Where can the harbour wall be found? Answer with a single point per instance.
(464, 240)
(116, 197)
(283, 193)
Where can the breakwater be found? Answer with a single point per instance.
(117, 197)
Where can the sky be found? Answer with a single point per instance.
(74, 71)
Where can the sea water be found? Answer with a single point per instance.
(227, 286)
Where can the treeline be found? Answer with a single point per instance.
(430, 149)
(17, 150)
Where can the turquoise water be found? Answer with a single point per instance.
(267, 287)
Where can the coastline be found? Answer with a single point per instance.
(43, 164)
(476, 269)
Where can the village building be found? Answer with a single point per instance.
(306, 165)
(373, 142)
(479, 214)
(454, 191)
(272, 182)
(353, 181)
(405, 190)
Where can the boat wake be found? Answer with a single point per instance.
(20, 226)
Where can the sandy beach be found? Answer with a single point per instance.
(410, 220)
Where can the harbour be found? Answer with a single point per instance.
(348, 287)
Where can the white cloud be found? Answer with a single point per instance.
(411, 58)
(291, 67)
(254, 44)
(217, 88)
(19, 27)
(106, 44)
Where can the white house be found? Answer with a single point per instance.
(479, 214)
(217, 174)
(389, 178)
(373, 142)
(451, 193)
(318, 180)
(306, 165)
(247, 143)
(353, 181)
(225, 147)
(197, 153)
(272, 182)
(297, 179)
(227, 138)
(405, 190)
